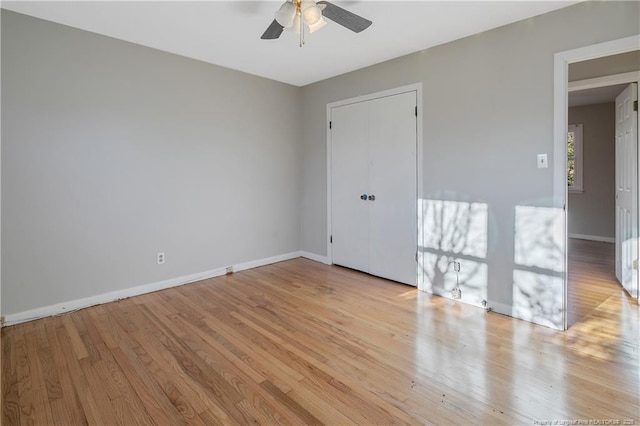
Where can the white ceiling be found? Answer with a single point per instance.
(227, 33)
(598, 95)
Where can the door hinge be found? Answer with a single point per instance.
(330, 124)
(635, 105)
(416, 255)
(331, 239)
(416, 111)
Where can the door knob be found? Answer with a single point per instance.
(363, 197)
(372, 197)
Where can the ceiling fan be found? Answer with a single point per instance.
(294, 14)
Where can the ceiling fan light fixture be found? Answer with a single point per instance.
(295, 26)
(315, 27)
(286, 14)
(293, 15)
(311, 12)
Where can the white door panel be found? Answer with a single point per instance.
(627, 189)
(392, 215)
(350, 180)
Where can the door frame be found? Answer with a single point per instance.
(416, 87)
(561, 85)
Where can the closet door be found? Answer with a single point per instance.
(349, 183)
(373, 184)
(392, 180)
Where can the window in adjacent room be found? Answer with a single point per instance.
(574, 158)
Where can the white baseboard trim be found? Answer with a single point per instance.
(592, 238)
(509, 311)
(315, 257)
(72, 305)
(266, 261)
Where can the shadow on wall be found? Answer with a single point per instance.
(458, 231)
(538, 263)
(453, 231)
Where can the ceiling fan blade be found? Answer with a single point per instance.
(345, 18)
(273, 31)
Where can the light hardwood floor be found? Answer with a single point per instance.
(592, 277)
(303, 343)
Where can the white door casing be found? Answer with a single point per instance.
(561, 87)
(373, 152)
(627, 189)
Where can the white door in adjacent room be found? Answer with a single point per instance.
(627, 189)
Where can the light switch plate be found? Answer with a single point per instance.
(543, 163)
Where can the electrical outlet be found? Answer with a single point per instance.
(160, 258)
(635, 264)
(456, 293)
(2, 321)
(229, 270)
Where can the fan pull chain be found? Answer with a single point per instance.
(301, 28)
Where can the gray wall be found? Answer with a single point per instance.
(488, 110)
(592, 212)
(112, 152)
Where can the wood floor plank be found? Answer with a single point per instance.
(101, 389)
(158, 406)
(75, 372)
(262, 367)
(39, 375)
(47, 367)
(198, 371)
(104, 325)
(254, 352)
(184, 392)
(67, 410)
(10, 392)
(298, 342)
(321, 373)
(200, 329)
(144, 353)
(74, 337)
(305, 416)
(253, 401)
(26, 390)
